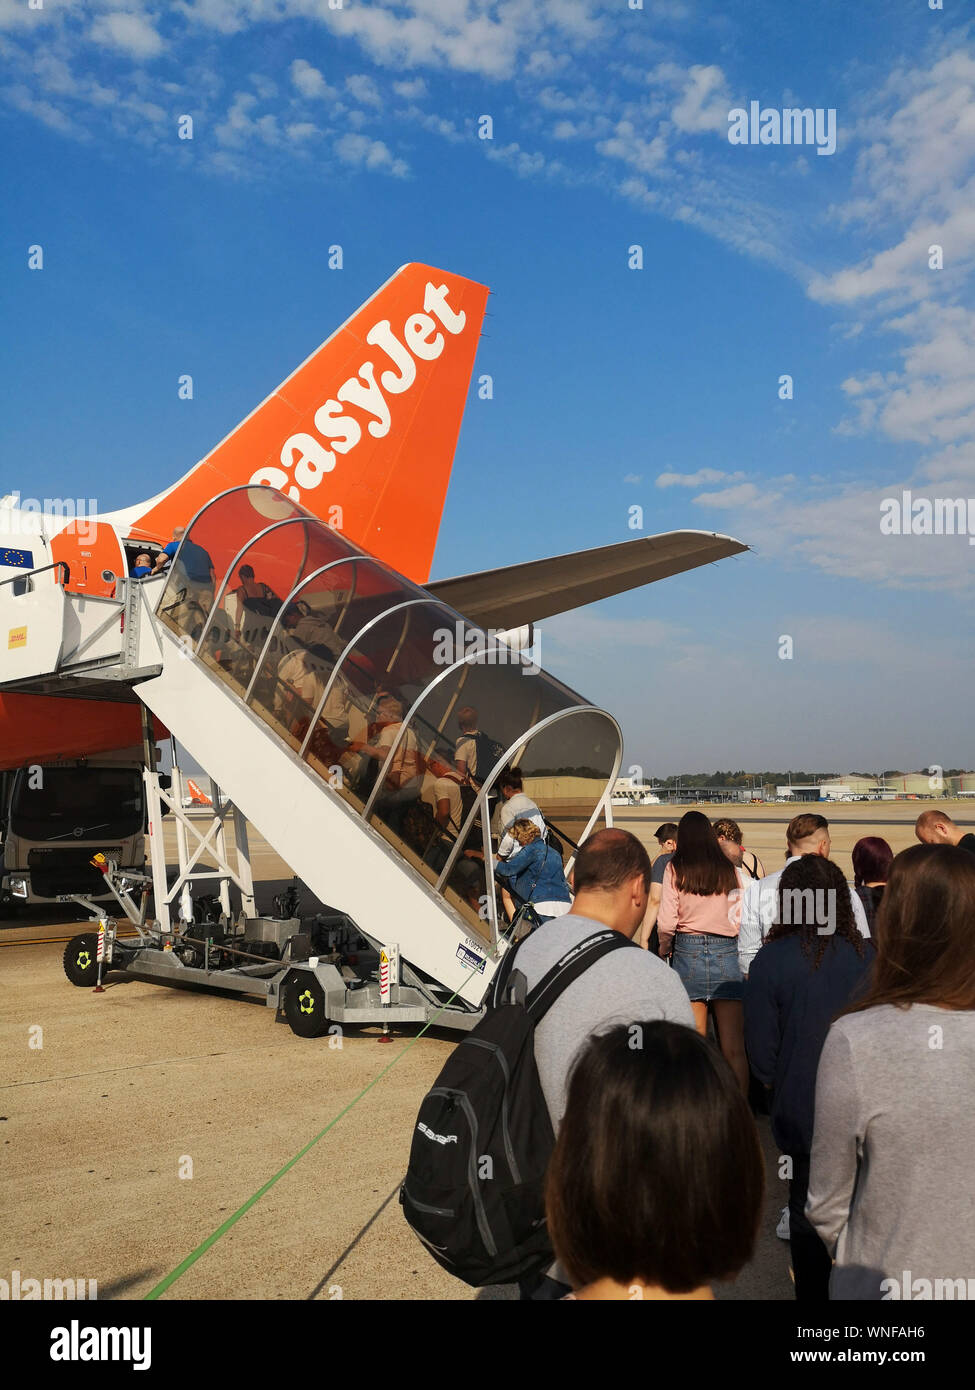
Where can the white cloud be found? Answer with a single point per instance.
(703, 475)
(132, 34)
(413, 90)
(551, 99)
(590, 632)
(742, 495)
(917, 140)
(239, 126)
(526, 164)
(15, 14)
(704, 102)
(542, 63)
(363, 90)
(23, 99)
(904, 268)
(931, 400)
(360, 151)
(263, 86)
(448, 36)
(301, 130)
(223, 16)
(626, 144)
(310, 82)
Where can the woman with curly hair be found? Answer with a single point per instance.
(813, 963)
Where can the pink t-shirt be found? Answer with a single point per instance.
(719, 914)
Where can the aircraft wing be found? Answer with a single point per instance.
(519, 594)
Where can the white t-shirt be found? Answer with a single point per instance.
(518, 807)
(437, 789)
(466, 752)
(297, 671)
(759, 904)
(405, 762)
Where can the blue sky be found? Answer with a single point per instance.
(613, 387)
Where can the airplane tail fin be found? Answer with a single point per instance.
(200, 797)
(363, 433)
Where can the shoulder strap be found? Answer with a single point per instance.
(573, 964)
(563, 972)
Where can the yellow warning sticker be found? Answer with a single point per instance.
(16, 637)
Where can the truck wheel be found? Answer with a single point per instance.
(304, 1005)
(80, 960)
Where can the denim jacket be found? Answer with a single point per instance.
(535, 874)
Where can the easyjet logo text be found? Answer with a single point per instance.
(304, 458)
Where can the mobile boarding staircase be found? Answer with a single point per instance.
(276, 696)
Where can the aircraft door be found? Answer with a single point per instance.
(93, 553)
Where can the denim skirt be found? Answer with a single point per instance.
(708, 966)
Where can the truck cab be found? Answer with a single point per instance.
(55, 817)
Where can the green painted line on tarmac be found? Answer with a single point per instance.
(232, 1220)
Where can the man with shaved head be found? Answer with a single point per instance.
(611, 882)
(805, 834)
(937, 828)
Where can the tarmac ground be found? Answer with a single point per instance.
(135, 1122)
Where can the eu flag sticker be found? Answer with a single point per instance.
(17, 559)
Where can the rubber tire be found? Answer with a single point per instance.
(296, 987)
(85, 977)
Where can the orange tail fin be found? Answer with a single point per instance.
(198, 796)
(363, 433)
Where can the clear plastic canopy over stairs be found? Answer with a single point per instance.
(322, 690)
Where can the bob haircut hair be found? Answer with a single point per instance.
(872, 858)
(657, 1172)
(923, 931)
(700, 865)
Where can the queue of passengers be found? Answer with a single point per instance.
(854, 1005)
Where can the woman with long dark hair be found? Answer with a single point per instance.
(812, 964)
(890, 1184)
(700, 912)
(872, 858)
(653, 1098)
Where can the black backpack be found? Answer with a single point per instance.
(474, 1188)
